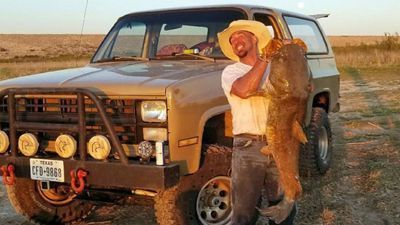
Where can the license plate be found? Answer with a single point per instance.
(47, 170)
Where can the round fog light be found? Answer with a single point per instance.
(145, 151)
(99, 147)
(65, 146)
(28, 144)
(4, 142)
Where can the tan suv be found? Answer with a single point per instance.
(147, 117)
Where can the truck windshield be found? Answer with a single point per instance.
(173, 34)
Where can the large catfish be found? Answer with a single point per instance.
(287, 88)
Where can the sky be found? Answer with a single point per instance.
(347, 17)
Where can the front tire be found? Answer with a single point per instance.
(46, 206)
(316, 157)
(181, 204)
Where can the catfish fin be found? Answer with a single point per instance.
(298, 132)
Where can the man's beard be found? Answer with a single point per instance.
(242, 54)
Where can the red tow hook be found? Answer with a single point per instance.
(81, 174)
(8, 174)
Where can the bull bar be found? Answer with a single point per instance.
(122, 173)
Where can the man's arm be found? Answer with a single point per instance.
(247, 85)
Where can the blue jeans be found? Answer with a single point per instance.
(254, 175)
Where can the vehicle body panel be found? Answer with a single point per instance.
(192, 102)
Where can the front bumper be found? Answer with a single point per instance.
(109, 174)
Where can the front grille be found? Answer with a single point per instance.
(122, 113)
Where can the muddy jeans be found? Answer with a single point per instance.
(251, 172)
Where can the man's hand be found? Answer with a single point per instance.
(271, 49)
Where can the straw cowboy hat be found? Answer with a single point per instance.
(254, 27)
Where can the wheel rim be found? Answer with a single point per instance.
(323, 144)
(213, 205)
(58, 195)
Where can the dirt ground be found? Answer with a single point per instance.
(363, 186)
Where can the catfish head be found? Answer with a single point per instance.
(290, 75)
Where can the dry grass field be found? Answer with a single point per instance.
(367, 52)
(35, 47)
(344, 41)
(29, 54)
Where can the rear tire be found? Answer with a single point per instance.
(316, 157)
(177, 205)
(29, 201)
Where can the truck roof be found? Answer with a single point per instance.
(243, 7)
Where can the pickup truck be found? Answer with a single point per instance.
(147, 117)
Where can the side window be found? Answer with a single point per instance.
(309, 32)
(182, 35)
(129, 41)
(267, 21)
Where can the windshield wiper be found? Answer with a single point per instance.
(123, 58)
(197, 56)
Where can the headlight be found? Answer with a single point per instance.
(155, 134)
(154, 111)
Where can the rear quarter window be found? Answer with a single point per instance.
(309, 32)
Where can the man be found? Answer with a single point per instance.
(243, 41)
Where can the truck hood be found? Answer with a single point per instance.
(119, 78)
